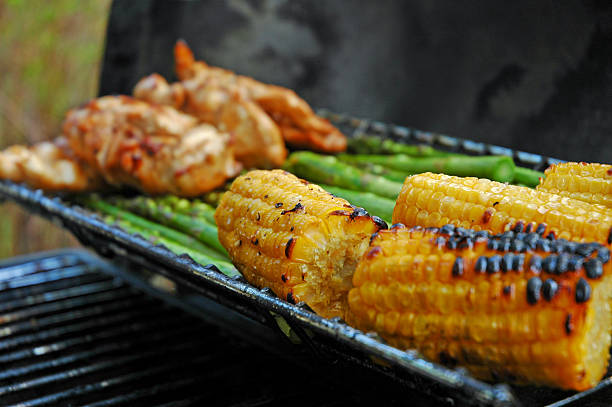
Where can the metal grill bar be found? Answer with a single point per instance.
(43, 265)
(104, 348)
(77, 391)
(57, 295)
(94, 296)
(53, 284)
(144, 325)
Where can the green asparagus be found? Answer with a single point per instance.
(329, 170)
(497, 168)
(525, 176)
(374, 204)
(377, 145)
(191, 207)
(195, 226)
(138, 221)
(225, 267)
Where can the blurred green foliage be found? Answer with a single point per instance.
(50, 54)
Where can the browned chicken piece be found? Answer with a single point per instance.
(298, 123)
(150, 147)
(49, 166)
(257, 139)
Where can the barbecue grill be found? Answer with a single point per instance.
(84, 331)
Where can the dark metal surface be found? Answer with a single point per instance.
(332, 341)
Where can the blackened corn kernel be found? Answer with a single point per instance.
(397, 226)
(543, 245)
(531, 240)
(541, 228)
(465, 243)
(549, 289)
(504, 244)
(551, 236)
(463, 232)
(494, 264)
(518, 262)
(440, 241)
(593, 268)
(603, 254)
(451, 243)
(458, 267)
(518, 246)
(575, 263)
(493, 244)
(482, 234)
(507, 261)
(583, 291)
(562, 263)
(585, 249)
(549, 264)
(481, 265)
(533, 290)
(535, 263)
(529, 228)
(508, 234)
(447, 229)
(519, 227)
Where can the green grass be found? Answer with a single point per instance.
(50, 54)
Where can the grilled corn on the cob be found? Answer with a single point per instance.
(433, 200)
(294, 237)
(538, 316)
(586, 182)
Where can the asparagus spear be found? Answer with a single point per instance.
(225, 267)
(194, 226)
(376, 205)
(391, 175)
(377, 145)
(329, 170)
(163, 231)
(497, 168)
(191, 207)
(525, 176)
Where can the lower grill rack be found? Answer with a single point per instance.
(74, 332)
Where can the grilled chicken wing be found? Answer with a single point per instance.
(299, 125)
(151, 147)
(257, 139)
(49, 166)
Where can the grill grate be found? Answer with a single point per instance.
(74, 331)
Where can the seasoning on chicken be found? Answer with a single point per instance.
(150, 147)
(257, 139)
(433, 200)
(49, 166)
(298, 123)
(587, 182)
(294, 237)
(506, 315)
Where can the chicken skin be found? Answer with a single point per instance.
(150, 147)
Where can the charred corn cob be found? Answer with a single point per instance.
(433, 200)
(294, 237)
(586, 182)
(527, 316)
